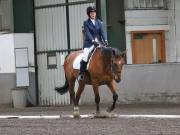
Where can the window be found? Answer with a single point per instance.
(51, 60)
(22, 67)
(146, 4)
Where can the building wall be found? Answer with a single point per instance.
(167, 20)
(7, 63)
(7, 68)
(155, 83)
(170, 36)
(177, 28)
(8, 42)
(144, 20)
(26, 40)
(22, 40)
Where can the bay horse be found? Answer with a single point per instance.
(104, 68)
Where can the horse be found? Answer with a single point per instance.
(105, 68)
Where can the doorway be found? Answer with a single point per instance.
(148, 47)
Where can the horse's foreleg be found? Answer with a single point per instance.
(97, 97)
(79, 92)
(72, 93)
(115, 95)
(78, 95)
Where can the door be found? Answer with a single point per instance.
(148, 47)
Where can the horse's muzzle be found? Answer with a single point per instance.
(118, 80)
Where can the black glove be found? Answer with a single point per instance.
(95, 43)
(106, 43)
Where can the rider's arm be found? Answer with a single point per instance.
(102, 34)
(87, 33)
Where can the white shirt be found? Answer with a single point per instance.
(93, 21)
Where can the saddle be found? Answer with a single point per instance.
(76, 63)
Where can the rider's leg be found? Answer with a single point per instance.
(83, 66)
(84, 62)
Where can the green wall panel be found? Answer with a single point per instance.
(116, 23)
(23, 16)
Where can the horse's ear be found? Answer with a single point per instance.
(123, 54)
(114, 52)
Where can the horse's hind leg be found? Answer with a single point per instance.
(115, 96)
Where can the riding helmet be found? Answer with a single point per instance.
(90, 9)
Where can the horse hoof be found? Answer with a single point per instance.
(76, 114)
(109, 110)
(103, 114)
(97, 114)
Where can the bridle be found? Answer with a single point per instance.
(113, 67)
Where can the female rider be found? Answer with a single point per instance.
(93, 34)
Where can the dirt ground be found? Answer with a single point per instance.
(92, 126)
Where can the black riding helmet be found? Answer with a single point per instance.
(90, 9)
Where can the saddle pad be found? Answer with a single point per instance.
(76, 63)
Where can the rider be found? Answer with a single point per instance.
(93, 34)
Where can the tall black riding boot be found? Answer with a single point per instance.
(83, 66)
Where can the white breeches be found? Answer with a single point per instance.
(86, 52)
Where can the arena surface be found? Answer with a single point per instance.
(129, 120)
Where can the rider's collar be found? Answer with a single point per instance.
(93, 21)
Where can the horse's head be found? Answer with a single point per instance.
(118, 60)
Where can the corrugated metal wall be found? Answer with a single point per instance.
(47, 2)
(77, 14)
(6, 15)
(144, 4)
(52, 37)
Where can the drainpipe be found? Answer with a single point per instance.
(35, 56)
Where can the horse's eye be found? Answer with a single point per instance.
(116, 64)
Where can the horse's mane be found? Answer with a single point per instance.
(106, 51)
(107, 54)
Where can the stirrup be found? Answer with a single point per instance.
(80, 77)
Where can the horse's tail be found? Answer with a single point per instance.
(64, 89)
